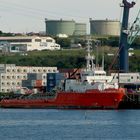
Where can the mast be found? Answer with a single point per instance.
(89, 58)
(103, 61)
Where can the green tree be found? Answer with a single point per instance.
(64, 42)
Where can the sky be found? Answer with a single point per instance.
(22, 16)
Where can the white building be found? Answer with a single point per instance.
(30, 43)
(11, 76)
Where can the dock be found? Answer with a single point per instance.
(131, 101)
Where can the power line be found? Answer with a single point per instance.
(19, 13)
(38, 11)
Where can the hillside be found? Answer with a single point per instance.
(68, 58)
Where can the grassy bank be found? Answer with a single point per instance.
(68, 58)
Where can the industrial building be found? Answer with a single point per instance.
(11, 76)
(105, 27)
(28, 43)
(67, 27)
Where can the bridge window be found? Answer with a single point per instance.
(37, 40)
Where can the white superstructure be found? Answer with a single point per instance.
(11, 76)
(93, 73)
(91, 77)
(29, 43)
(82, 86)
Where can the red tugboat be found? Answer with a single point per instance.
(93, 90)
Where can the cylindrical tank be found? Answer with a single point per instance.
(56, 27)
(105, 27)
(80, 29)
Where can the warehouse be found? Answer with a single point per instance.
(29, 43)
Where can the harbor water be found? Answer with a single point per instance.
(51, 124)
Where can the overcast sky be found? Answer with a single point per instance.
(28, 15)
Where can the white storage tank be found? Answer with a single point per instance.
(105, 27)
(56, 27)
(80, 29)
